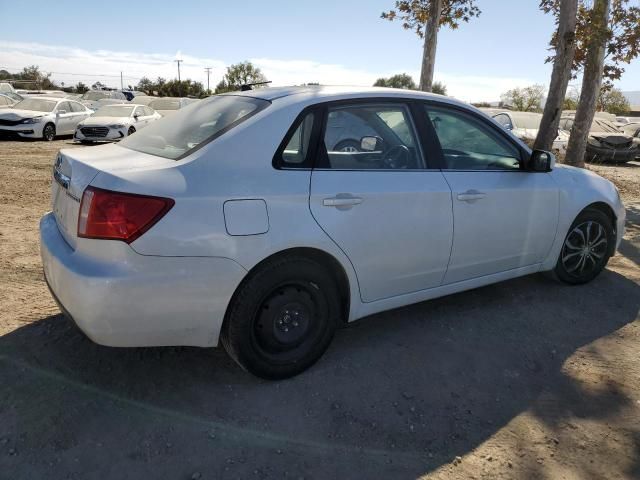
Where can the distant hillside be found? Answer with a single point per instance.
(633, 97)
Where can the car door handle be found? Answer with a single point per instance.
(471, 196)
(342, 200)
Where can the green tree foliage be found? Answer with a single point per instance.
(171, 88)
(439, 88)
(401, 80)
(414, 14)
(30, 78)
(527, 99)
(239, 74)
(80, 88)
(613, 101)
(623, 36)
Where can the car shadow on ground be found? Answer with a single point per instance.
(401, 393)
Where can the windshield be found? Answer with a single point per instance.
(114, 111)
(166, 104)
(600, 125)
(36, 104)
(94, 95)
(175, 136)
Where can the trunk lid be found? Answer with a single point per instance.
(75, 169)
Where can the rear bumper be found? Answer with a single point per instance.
(138, 300)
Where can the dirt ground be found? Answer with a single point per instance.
(526, 379)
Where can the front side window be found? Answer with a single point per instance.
(370, 137)
(196, 124)
(468, 144)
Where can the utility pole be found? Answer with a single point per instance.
(178, 62)
(208, 70)
(121, 82)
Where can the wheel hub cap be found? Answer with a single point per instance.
(584, 248)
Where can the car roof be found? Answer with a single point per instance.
(327, 92)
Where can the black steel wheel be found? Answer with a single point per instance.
(586, 248)
(282, 318)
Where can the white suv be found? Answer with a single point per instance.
(236, 219)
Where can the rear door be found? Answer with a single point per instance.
(504, 216)
(377, 199)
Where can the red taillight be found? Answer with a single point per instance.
(119, 216)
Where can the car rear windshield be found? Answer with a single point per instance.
(36, 104)
(194, 125)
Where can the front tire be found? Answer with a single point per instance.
(586, 248)
(49, 132)
(282, 319)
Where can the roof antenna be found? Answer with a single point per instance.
(249, 86)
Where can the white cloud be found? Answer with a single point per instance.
(71, 65)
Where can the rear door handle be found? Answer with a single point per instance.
(342, 201)
(471, 196)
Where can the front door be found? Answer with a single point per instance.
(378, 202)
(504, 216)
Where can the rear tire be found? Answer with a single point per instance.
(586, 248)
(49, 132)
(282, 318)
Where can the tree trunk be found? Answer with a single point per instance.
(430, 44)
(591, 83)
(560, 76)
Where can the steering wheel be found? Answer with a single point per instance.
(396, 157)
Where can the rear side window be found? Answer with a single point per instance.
(296, 150)
(194, 126)
(76, 107)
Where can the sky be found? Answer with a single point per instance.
(331, 42)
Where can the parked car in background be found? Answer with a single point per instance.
(145, 99)
(620, 121)
(92, 96)
(131, 94)
(606, 142)
(168, 105)
(114, 122)
(9, 99)
(6, 87)
(632, 129)
(43, 117)
(234, 220)
(525, 125)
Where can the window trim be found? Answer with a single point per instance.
(494, 127)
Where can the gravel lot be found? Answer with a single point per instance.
(524, 379)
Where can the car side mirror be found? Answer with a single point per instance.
(370, 144)
(541, 161)
(135, 115)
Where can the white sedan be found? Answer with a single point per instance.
(43, 117)
(235, 220)
(115, 122)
